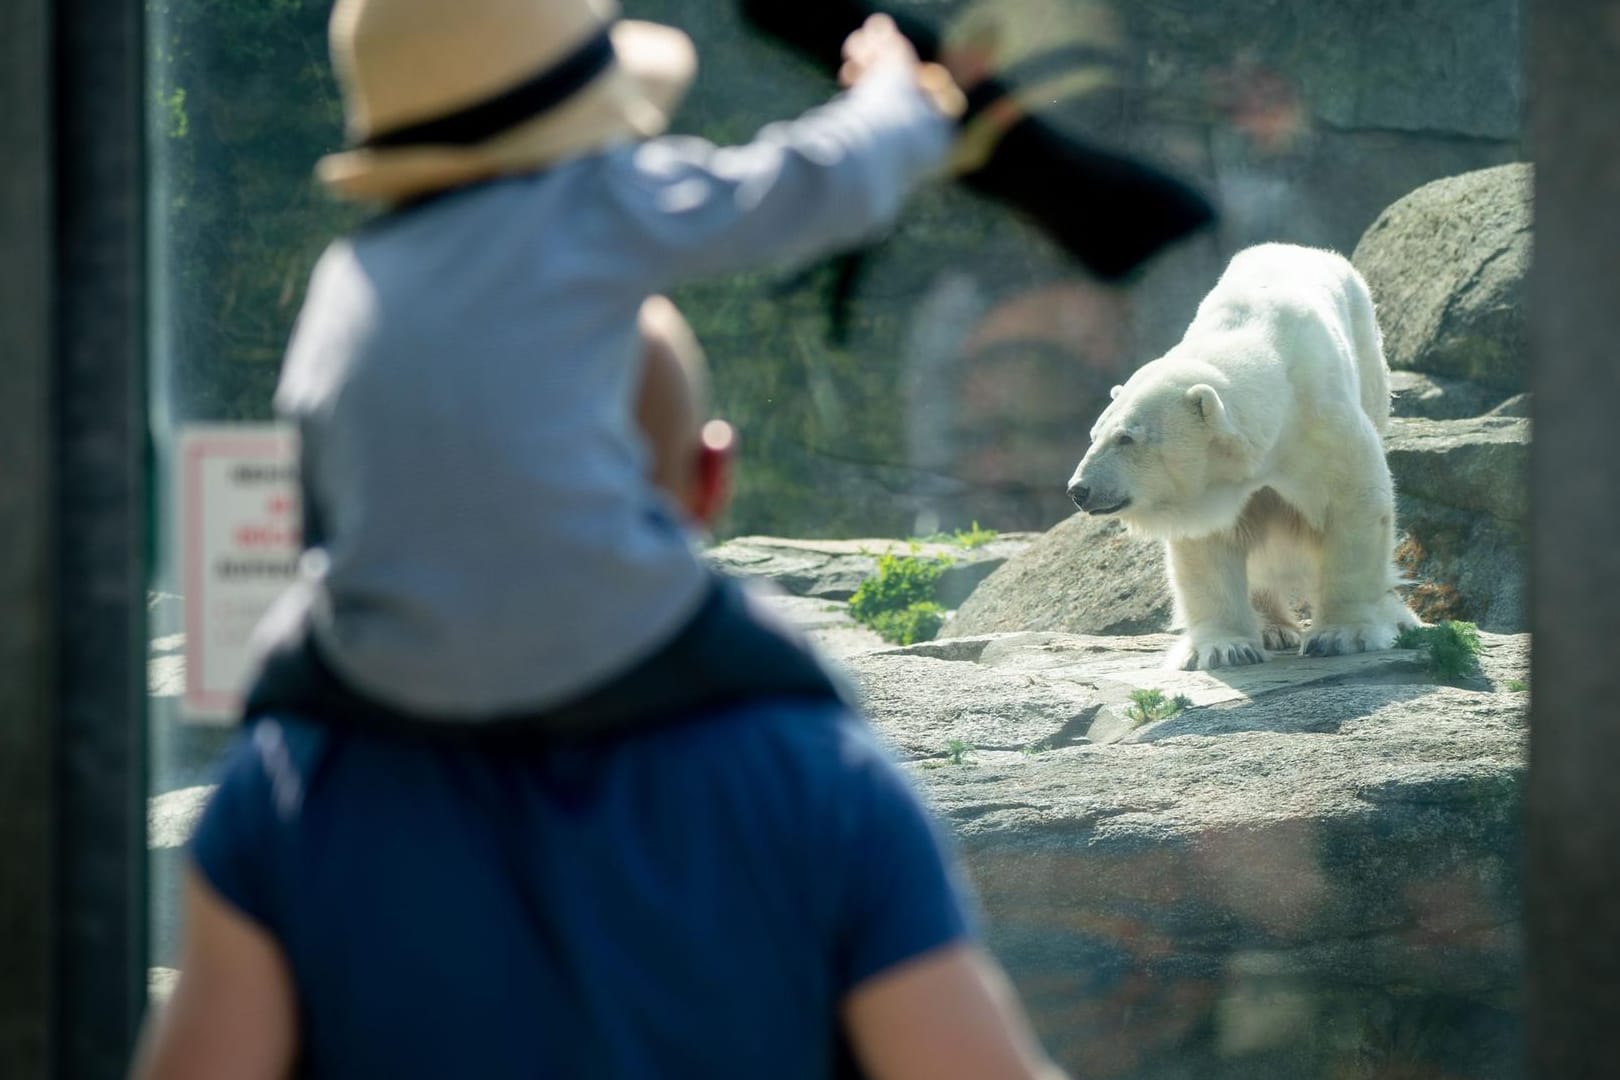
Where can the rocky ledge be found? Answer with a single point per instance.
(1310, 870)
(834, 569)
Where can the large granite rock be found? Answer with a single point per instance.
(1313, 871)
(1434, 397)
(1462, 501)
(1312, 118)
(1447, 266)
(1083, 576)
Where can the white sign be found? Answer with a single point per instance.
(239, 537)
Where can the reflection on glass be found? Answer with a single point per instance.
(1309, 870)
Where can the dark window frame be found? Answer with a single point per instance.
(1572, 822)
(74, 515)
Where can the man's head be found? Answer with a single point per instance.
(690, 458)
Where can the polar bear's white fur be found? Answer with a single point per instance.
(1253, 450)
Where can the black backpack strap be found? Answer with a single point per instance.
(731, 652)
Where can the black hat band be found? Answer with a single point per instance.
(486, 119)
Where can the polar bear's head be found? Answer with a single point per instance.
(1166, 455)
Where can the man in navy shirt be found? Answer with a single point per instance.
(752, 893)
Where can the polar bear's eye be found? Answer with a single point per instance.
(1123, 439)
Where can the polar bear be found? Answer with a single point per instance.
(1253, 449)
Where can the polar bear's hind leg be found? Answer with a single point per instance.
(1281, 630)
(1354, 610)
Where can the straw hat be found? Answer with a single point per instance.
(438, 93)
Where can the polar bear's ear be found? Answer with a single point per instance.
(1115, 392)
(1208, 403)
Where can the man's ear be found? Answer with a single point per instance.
(711, 487)
(1115, 392)
(1209, 407)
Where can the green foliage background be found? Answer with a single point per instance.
(243, 103)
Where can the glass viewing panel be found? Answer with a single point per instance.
(1302, 868)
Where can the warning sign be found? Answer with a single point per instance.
(240, 538)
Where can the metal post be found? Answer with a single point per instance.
(99, 407)
(26, 789)
(1573, 816)
(72, 525)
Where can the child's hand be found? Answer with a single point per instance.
(877, 44)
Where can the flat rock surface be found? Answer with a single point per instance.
(834, 569)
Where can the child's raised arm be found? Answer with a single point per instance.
(682, 208)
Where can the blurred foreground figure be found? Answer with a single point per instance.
(751, 893)
(525, 789)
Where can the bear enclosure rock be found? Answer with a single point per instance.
(1432, 397)
(1083, 576)
(834, 569)
(1463, 504)
(1447, 266)
(1310, 870)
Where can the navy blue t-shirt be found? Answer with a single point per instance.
(688, 901)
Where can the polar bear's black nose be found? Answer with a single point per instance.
(1079, 493)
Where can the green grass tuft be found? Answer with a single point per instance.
(909, 625)
(1148, 706)
(969, 538)
(1451, 649)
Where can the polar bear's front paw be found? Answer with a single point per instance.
(1200, 654)
(1335, 639)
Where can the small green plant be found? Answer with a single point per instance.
(1518, 686)
(914, 623)
(969, 538)
(1450, 648)
(1149, 705)
(1035, 749)
(973, 537)
(898, 601)
(956, 751)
